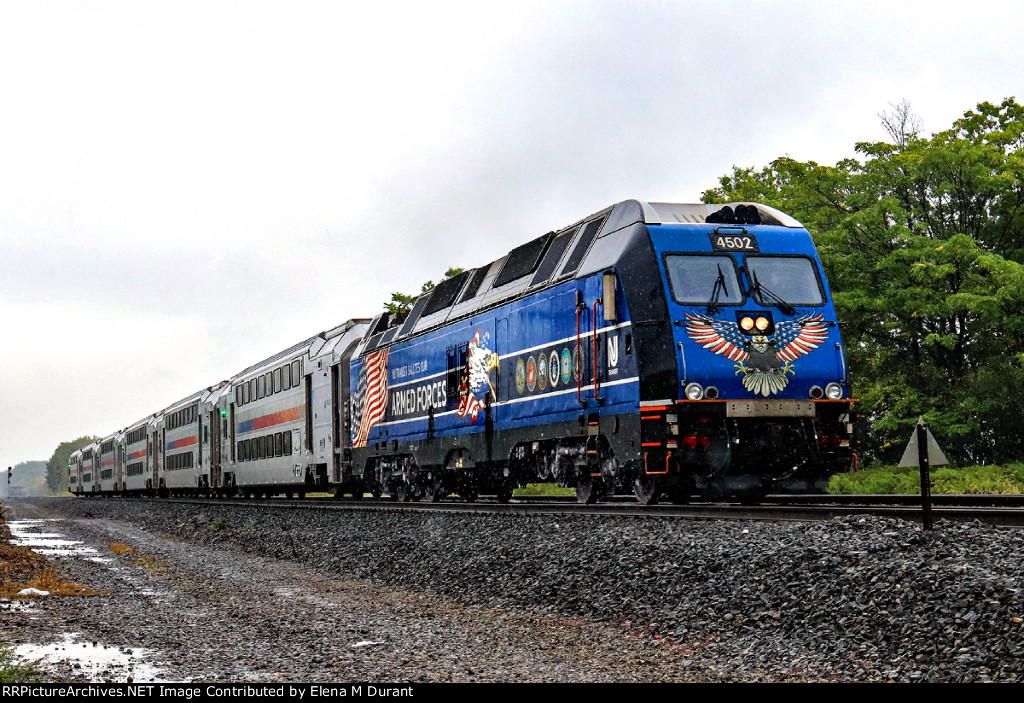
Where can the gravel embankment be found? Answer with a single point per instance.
(459, 597)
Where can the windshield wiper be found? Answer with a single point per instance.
(770, 297)
(717, 290)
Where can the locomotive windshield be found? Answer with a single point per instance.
(793, 279)
(694, 279)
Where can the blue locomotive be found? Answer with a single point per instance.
(663, 348)
(659, 348)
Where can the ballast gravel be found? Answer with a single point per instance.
(222, 592)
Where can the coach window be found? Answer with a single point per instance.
(262, 386)
(277, 380)
(241, 450)
(287, 439)
(278, 444)
(250, 450)
(296, 373)
(286, 376)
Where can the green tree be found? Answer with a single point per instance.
(923, 242)
(59, 462)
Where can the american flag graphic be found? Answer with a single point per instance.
(374, 400)
(469, 405)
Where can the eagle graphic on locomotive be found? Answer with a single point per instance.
(663, 349)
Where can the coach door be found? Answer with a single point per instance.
(215, 475)
(336, 410)
(308, 386)
(154, 459)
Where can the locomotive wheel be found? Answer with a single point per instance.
(432, 488)
(505, 490)
(404, 493)
(586, 491)
(647, 489)
(468, 487)
(370, 484)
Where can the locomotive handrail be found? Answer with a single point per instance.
(577, 365)
(594, 318)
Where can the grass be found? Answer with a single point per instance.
(544, 489)
(152, 564)
(21, 568)
(13, 670)
(887, 479)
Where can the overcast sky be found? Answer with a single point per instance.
(189, 187)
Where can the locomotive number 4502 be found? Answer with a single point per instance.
(733, 242)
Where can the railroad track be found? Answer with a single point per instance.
(1006, 511)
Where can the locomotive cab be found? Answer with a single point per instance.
(760, 402)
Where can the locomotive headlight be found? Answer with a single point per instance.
(834, 391)
(694, 391)
(747, 323)
(762, 323)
